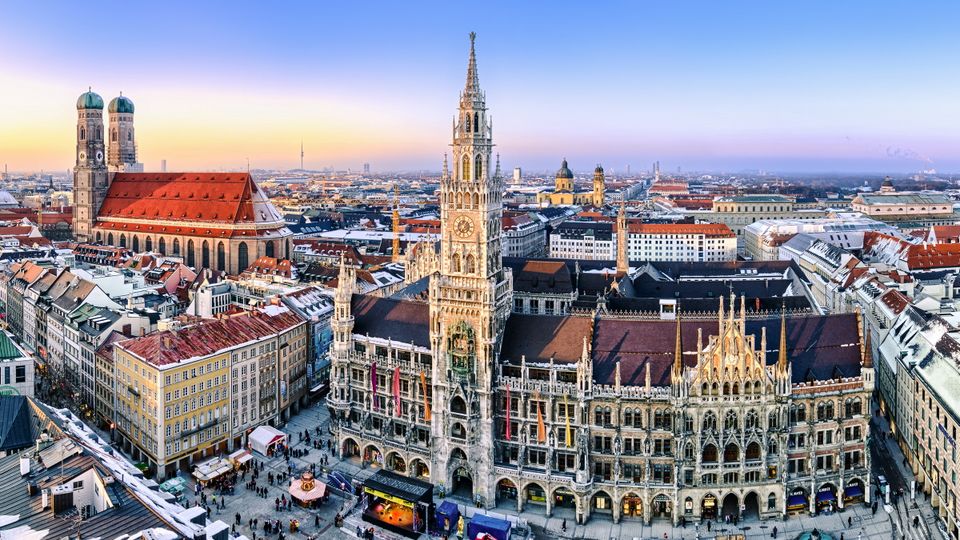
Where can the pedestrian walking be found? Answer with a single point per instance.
(849, 522)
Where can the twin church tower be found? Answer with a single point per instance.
(100, 153)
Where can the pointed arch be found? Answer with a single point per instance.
(221, 255)
(459, 199)
(269, 249)
(476, 200)
(110, 239)
(456, 262)
(465, 168)
(471, 266)
(83, 134)
(191, 254)
(162, 246)
(176, 246)
(136, 244)
(205, 254)
(242, 257)
(478, 166)
(467, 124)
(149, 244)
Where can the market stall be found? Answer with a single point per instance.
(212, 470)
(266, 440)
(240, 458)
(307, 491)
(397, 503)
(174, 486)
(447, 515)
(486, 526)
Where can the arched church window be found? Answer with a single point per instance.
(465, 169)
(709, 421)
(456, 262)
(462, 348)
(99, 133)
(459, 201)
(730, 420)
(270, 249)
(467, 127)
(191, 254)
(221, 256)
(471, 264)
(83, 134)
(113, 135)
(476, 122)
(476, 199)
(149, 244)
(752, 421)
(162, 246)
(242, 256)
(478, 166)
(110, 239)
(176, 246)
(129, 136)
(205, 254)
(136, 244)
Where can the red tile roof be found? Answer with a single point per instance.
(222, 198)
(207, 338)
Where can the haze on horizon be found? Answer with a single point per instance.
(812, 87)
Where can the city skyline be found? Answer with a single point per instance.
(749, 87)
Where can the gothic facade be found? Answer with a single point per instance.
(595, 415)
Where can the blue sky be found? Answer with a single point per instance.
(812, 86)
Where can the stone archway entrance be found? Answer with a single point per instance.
(731, 506)
(564, 503)
(462, 484)
(631, 506)
(507, 493)
(708, 507)
(662, 507)
(751, 505)
(351, 449)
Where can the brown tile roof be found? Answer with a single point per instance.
(206, 338)
(821, 347)
(537, 276)
(404, 321)
(541, 337)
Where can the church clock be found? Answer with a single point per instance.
(463, 226)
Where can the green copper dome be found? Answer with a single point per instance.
(89, 100)
(564, 171)
(121, 105)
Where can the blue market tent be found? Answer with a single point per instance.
(447, 515)
(496, 528)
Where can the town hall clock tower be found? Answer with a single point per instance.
(469, 302)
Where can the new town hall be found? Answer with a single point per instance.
(601, 414)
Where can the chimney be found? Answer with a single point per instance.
(143, 332)
(166, 342)
(24, 465)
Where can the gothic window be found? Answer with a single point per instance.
(270, 249)
(468, 124)
(99, 133)
(113, 135)
(162, 246)
(221, 256)
(753, 451)
(853, 407)
(205, 254)
(476, 122)
(709, 454)
(471, 264)
(757, 388)
(709, 421)
(465, 169)
(825, 411)
(772, 421)
(772, 446)
(136, 244)
(478, 167)
(736, 389)
(771, 502)
(459, 201)
(715, 389)
(705, 389)
(730, 420)
(457, 431)
(798, 413)
(726, 389)
(83, 134)
(242, 257)
(129, 136)
(476, 197)
(191, 254)
(176, 246)
(149, 244)
(751, 421)
(456, 262)
(110, 239)
(462, 348)
(458, 406)
(731, 453)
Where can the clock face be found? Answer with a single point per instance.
(83, 156)
(463, 226)
(99, 157)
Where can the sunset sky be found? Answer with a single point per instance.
(814, 86)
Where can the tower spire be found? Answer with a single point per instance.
(473, 82)
(782, 353)
(678, 354)
(623, 262)
(446, 168)
(396, 224)
(496, 173)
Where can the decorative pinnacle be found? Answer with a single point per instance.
(473, 82)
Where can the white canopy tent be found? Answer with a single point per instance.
(265, 437)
